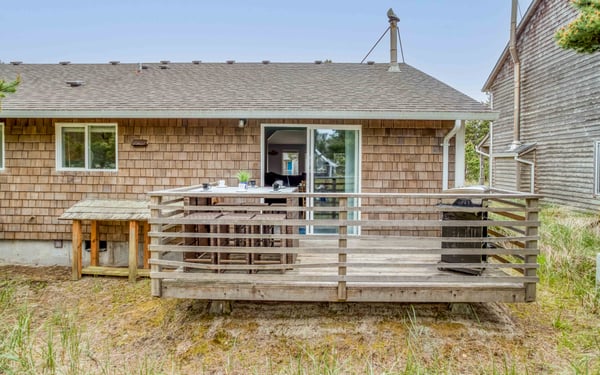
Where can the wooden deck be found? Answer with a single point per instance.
(392, 254)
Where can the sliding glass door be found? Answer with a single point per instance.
(326, 158)
(335, 169)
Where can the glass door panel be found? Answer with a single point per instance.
(335, 167)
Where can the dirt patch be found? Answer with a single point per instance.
(124, 329)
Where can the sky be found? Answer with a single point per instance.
(455, 41)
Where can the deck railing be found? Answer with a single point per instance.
(370, 247)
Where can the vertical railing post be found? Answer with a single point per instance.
(342, 245)
(155, 283)
(531, 230)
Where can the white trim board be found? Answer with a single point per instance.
(341, 115)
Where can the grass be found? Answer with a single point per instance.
(569, 244)
(117, 328)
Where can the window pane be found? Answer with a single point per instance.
(103, 148)
(73, 147)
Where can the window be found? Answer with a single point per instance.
(1, 146)
(597, 168)
(86, 147)
(290, 163)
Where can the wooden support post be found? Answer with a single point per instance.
(95, 244)
(145, 231)
(530, 288)
(133, 250)
(342, 244)
(155, 283)
(218, 308)
(76, 251)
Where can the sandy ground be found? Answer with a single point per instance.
(124, 328)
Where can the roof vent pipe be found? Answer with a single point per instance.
(75, 83)
(517, 77)
(393, 19)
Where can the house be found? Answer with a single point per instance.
(551, 143)
(118, 131)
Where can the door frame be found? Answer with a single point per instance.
(310, 127)
(309, 159)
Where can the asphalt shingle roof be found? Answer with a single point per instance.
(241, 88)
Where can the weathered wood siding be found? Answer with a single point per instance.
(505, 172)
(560, 109)
(397, 156)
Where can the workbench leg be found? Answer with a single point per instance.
(76, 251)
(95, 245)
(146, 231)
(133, 250)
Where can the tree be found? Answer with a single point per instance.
(8, 88)
(474, 133)
(583, 33)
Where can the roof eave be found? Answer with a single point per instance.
(500, 63)
(248, 114)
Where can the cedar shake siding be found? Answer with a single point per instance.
(560, 110)
(397, 156)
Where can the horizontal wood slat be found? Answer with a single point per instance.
(377, 241)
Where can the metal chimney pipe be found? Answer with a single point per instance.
(516, 78)
(393, 19)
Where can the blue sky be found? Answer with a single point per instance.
(456, 41)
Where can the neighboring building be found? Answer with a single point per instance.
(558, 137)
(118, 131)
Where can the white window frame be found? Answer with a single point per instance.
(86, 126)
(596, 168)
(2, 147)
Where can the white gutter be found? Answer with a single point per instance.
(532, 177)
(228, 114)
(446, 145)
(482, 156)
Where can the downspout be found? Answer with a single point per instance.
(532, 165)
(446, 147)
(482, 156)
(532, 177)
(517, 77)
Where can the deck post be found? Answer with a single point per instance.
(155, 283)
(532, 215)
(76, 251)
(133, 250)
(342, 245)
(94, 246)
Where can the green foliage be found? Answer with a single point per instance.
(103, 148)
(474, 134)
(243, 176)
(8, 88)
(583, 34)
(569, 243)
